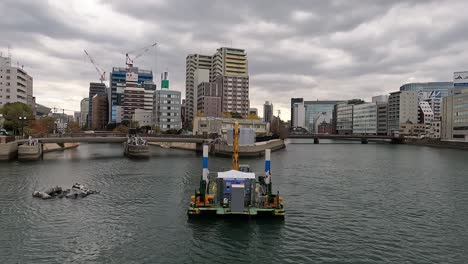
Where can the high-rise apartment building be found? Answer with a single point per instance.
(402, 107)
(229, 63)
(167, 104)
(84, 112)
(94, 88)
(235, 94)
(267, 112)
(197, 70)
(15, 84)
(209, 102)
(118, 84)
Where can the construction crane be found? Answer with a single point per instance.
(102, 74)
(139, 52)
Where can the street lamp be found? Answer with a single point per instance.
(22, 120)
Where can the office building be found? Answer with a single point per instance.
(220, 126)
(209, 99)
(365, 119)
(380, 99)
(299, 115)
(429, 89)
(15, 84)
(143, 117)
(118, 83)
(425, 115)
(267, 112)
(402, 107)
(94, 88)
(183, 113)
(253, 112)
(382, 118)
(167, 104)
(99, 112)
(344, 116)
(84, 112)
(454, 117)
(318, 112)
(76, 116)
(293, 101)
(43, 111)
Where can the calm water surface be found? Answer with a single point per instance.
(346, 203)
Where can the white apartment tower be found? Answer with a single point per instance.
(15, 84)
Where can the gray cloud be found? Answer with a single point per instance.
(335, 49)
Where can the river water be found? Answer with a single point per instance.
(345, 203)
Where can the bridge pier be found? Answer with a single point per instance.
(364, 141)
(316, 140)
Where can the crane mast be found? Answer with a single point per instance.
(102, 74)
(129, 61)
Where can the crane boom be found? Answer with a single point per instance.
(102, 74)
(142, 51)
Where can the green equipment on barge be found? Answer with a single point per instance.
(237, 192)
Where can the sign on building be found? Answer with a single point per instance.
(131, 77)
(460, 78)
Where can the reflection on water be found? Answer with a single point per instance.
(356, 203)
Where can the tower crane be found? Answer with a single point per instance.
(139, 52)
(102, 74)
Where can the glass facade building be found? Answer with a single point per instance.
(117, 86)
(429, 89)
(318, 112)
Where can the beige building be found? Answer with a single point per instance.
(216, 125)
(411, 130)
(455, 117)
(229, 62)
(402, 107)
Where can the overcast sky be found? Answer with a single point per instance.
(336, 49)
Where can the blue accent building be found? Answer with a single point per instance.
(117, 85)
(437, 89)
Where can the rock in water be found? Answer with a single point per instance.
(77, 191)
(42, 195)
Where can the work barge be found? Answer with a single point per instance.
(236, 192)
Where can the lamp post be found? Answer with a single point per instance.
(22, 120)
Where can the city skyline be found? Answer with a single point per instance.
(294, 50)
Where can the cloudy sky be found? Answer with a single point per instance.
(336, 49)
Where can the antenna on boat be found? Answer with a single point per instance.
(205, 165)
(235, 147)
(268, 169)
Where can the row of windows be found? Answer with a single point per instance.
(461, 113)
(460, 106)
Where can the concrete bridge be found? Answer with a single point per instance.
(364, 139)
(9, 146)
